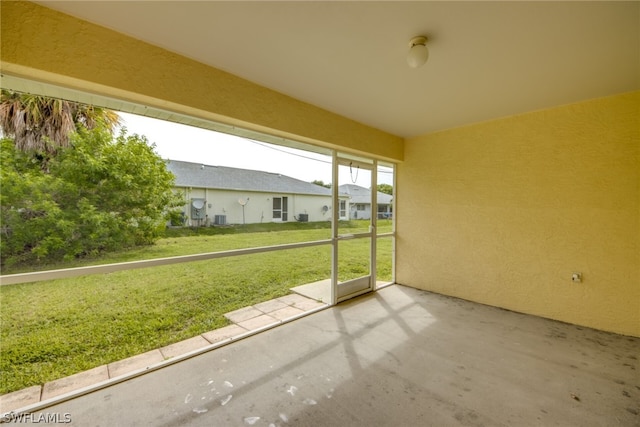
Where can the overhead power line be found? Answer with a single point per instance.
(265, 145)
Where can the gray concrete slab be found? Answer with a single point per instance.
(252, 317)
(399, 357)
(319, 291)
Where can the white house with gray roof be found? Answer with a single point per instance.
(219, 195)
(360, 202)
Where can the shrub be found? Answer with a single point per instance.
(102, 193)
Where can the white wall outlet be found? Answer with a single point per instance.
(576, 277)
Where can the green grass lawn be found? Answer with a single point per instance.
(52, 329)
(186, 241)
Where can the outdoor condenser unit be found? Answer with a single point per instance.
(303, 217)
(220, 219)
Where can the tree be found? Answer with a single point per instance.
(386, 189)
(321, 183)
(39, 124)
(102, 193)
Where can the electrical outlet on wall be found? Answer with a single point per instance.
(576, 277)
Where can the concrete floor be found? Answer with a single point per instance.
(398, 357)
(243, 322)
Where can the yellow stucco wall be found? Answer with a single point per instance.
(500, 212)
(504, 212)
(41, 44)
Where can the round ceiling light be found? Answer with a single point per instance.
(418, 52)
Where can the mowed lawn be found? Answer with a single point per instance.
(52, 329)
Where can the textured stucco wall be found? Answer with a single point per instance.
(503, 212)
(44, 45)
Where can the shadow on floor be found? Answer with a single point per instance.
(397, 357)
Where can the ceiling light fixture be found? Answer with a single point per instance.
(418, 52)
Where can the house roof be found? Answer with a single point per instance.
(226, 178)
(360, 194)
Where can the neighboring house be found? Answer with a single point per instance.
(360, 202)
(219, 195)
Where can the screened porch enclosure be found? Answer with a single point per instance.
(340, 257)
(514, 165)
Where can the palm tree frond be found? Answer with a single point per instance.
(42, 124)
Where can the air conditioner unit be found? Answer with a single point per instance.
(219, 219)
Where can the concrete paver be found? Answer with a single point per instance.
(184, 347)
(271, 305)
(308, 305)
(286, 312)
(20, 398)
(134, 363)
(75, 382)
(258, 322)
(292, 299)
(301, 302)
(243, 314)
(244, 320)
(223, 334)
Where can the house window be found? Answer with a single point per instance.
(343, 208)
(384, 211)
(360, 207)
(280, 208)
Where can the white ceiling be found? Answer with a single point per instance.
(487, 59)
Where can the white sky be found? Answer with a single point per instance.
(180, 142)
